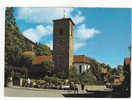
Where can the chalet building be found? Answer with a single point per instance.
(81, 62)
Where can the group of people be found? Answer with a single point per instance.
(73, 86)
(26, 83)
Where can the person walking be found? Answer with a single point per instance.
(28, 81)
(82, 87)
(76, 88)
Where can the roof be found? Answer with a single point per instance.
(127, 61)
(76, 59)
(64, 19)
(29, 53)
(40, 59)
(81, 59)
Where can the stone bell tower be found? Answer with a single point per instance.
(63, 35)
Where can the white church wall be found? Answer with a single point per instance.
(84, 66)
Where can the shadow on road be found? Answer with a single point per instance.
(95, 94)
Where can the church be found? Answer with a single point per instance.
(63, 49)
(63, 43)
(81, 62)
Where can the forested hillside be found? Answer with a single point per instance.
(16, 43)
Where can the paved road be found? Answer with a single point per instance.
(32, 92)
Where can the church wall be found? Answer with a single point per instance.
(84, 66)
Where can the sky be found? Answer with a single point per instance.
(100, 33)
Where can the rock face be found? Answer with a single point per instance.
(63, 35)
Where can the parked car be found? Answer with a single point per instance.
(65, 87)
(108, 85)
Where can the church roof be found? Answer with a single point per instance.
(76, 59)
(81, 59)
(40, 59)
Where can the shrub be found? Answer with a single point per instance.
(54, 80)
(88, 77)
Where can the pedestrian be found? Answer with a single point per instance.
(34, 84)
(83, 87)
(28, 81)
(76, 88)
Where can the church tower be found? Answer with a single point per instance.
(63, 35)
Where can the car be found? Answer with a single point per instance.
(108, 85)
(65, 87)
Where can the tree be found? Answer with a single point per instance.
(13, 55)
(88, 77)
(119, 69)
(16, 44)
(114, 71)
(47, 67)
(26, 60)
(14, 40)
(73, 74)
(9, 17)
(41, 50)
(62, 75)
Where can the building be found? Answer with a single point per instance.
(29, 53)
(104, 70)
(127, 64)
(81, 62)
(63, 35)
(40, 59)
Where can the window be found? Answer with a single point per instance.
(80, 68)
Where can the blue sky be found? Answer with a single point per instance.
(101, 33)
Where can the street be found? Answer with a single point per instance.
(35, 92)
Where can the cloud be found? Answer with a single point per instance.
(42, 15)
(47, 15)
(84, 33)
(50, 44)
(78, 18)
(35, 34)
(78, 45)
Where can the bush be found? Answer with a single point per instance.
(88, 78)
(62, 75)
(73, 74)
(54, 80)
